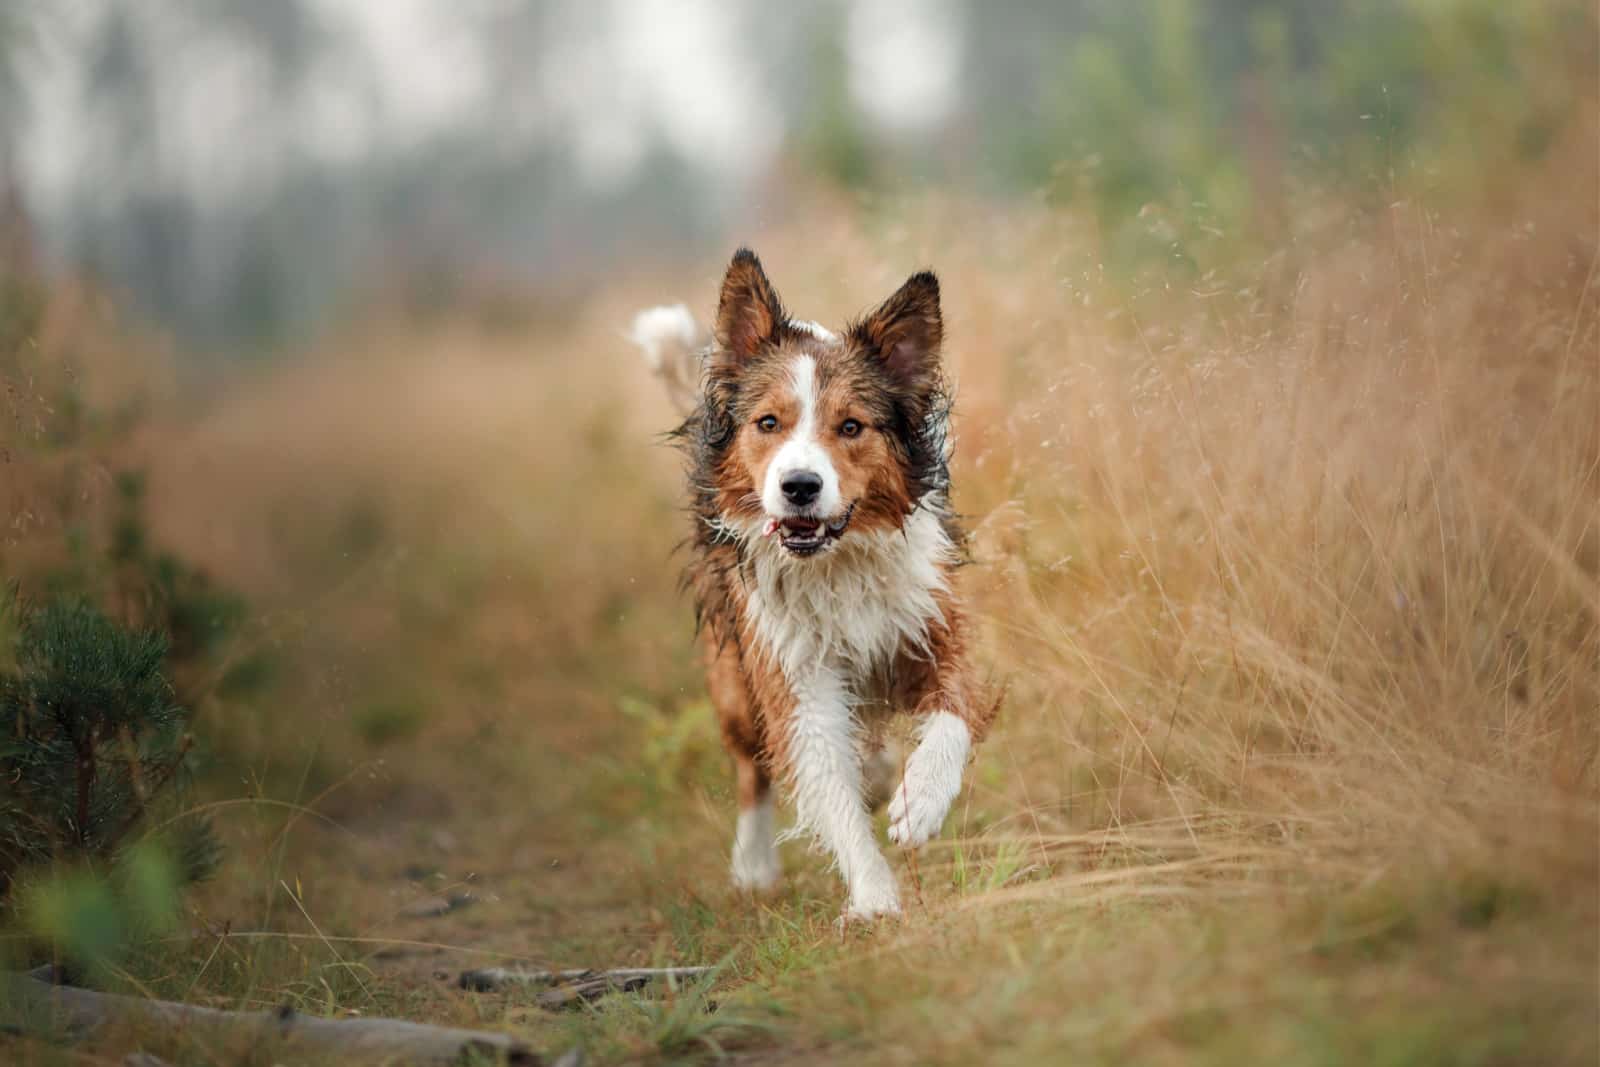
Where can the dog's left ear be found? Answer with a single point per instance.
(905, 331)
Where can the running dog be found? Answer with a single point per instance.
(824, 558)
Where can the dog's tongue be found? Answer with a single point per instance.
(791, 526)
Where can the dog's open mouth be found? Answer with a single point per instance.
(805, 536)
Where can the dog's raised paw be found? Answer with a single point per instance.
(932, 780)
(916, 811)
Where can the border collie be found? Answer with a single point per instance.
(823, 561)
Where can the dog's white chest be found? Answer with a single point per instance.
(852, 609)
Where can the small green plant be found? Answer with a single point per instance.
(976, 874)
(688, 1020)
(90, 919)
(93, 739)
(678, 745)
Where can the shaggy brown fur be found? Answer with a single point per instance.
(885, 375)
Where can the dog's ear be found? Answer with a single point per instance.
(905, 331)
(749, 313)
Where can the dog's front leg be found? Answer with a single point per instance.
(824, 758)
(932, 779)
(954, 713)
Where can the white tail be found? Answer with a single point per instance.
(671, 342)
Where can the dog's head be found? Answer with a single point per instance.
(808, 436)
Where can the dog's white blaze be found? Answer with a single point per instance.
(802, 451)
(933, 778)
(755, 847)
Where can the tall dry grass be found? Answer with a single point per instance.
(1292, 571)
(1299, 568)
(1293, 574)
(1310, 570)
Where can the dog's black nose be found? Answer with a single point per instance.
(801, 487)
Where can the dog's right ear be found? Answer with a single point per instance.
(749, 314)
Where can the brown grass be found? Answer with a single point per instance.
(1295, 587)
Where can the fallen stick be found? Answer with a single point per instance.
(433, 907)
(143, 1059)
(573, 994)
(486, 979)
(286, 1036)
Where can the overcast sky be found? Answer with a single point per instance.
(630, 73)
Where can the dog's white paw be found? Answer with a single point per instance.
(932, 780)
(756, 866)
(873, 898)
(757, 874)
(916, 812)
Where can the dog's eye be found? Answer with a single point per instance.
(767, 423)
(850, 428)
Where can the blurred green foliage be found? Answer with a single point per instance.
(833, 137)
(149, 587)
(94, 745)
(168, 594)
(87, 920)
(1194, 129)
(1188, 129)
(94, 839)
(384, 722)
(94, 752)
(679, 744)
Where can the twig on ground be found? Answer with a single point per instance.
(433, 907)
(576, 993)
(575, 986)
(32, 1005)
(143, 1059)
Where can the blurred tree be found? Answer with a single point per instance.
(1190, 126)
(833, 137)
(16, 229)
(1189, 129)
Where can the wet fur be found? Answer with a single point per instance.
(806, 656)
